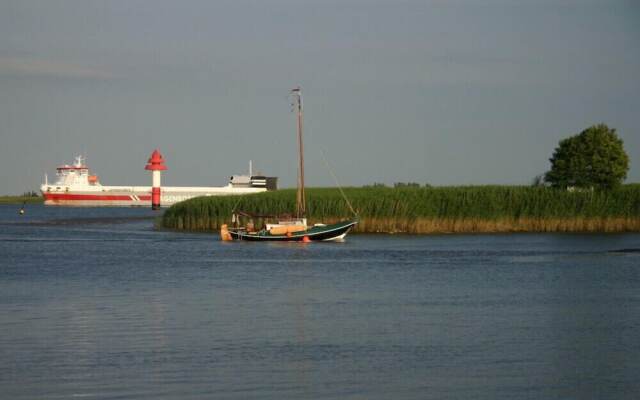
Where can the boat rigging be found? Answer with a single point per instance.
(287, 228)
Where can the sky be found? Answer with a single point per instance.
(445, 92)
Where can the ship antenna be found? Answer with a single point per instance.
(335, 178)
(79, 160)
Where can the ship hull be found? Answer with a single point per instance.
(110, 196)
(95, 200)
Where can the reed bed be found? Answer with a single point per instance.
(432, 210)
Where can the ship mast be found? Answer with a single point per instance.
(300, 198)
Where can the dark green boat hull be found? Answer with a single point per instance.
(316, 233)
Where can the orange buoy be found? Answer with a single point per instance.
(305, 239)
(224, 233)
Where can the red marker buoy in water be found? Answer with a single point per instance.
(155, 165)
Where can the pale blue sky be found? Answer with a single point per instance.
(446, 92)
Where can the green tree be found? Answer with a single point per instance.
(593, 158)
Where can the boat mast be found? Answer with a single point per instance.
(300, 198)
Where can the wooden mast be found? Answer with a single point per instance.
(300, 197)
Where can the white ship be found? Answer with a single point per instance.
(76, 186)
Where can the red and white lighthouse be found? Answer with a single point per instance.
(155, 164)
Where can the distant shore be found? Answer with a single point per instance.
(426, 210)
(21, 199)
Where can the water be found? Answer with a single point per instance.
(95, 303)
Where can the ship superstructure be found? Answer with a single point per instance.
(76, 186)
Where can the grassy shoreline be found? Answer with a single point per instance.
(21, 200)
(471, 209)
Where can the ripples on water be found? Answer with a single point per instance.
(95, 303)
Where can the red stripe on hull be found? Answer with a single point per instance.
(93, 197)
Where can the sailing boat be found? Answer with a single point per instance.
(288, 228)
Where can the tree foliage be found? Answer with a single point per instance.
(593, 158)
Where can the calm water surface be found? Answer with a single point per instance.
(95, 303)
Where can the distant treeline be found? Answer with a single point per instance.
(413, 209)
(28, 198)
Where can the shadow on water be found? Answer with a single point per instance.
(624, 251)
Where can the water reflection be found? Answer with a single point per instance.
(112, 310)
